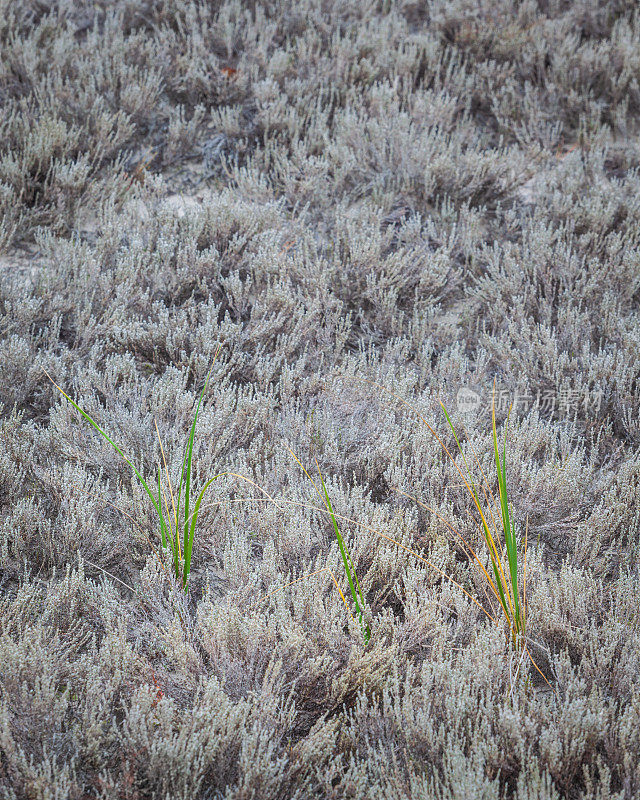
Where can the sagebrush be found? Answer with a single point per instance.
(432, 198)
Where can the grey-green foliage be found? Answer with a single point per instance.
(425, 196)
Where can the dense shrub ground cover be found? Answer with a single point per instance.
(337, 195)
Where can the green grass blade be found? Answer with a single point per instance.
(355, 577)
(184, 460)
(499, 586)
(464, 458)
(493, 553)
(347, 562)
(163, 533)
(156, 504)
(509, 533)
(189, 544)
(343, 550)
(167, 533)
(186, 452)
(186, 471)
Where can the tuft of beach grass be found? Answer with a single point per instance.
(177, 509)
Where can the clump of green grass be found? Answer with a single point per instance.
(505, 580)
(499, 535)
(352, 578)
(496, 521)
(178, 521)
(347, 562)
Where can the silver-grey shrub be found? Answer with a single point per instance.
(429, 197)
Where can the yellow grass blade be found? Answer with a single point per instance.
(362, 525)
(175, 515)
(485, 484)
(304, 470)
(459, 535)
(310, 575)
(490, 539)
(524, 579)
